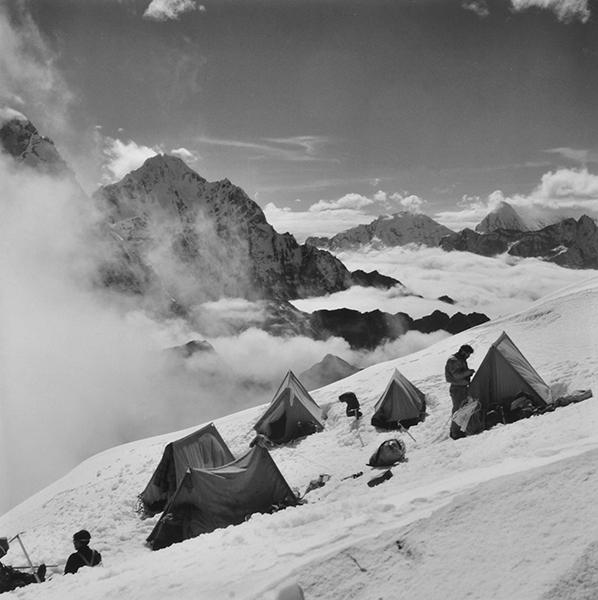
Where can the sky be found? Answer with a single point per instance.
(326, 112)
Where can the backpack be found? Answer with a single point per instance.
(389, 452)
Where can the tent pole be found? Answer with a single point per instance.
(18, 538)
(403, 430)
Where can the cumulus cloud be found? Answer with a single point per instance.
(167, 10)
(328, 217)
(479, 7)
(348, 201)
(122, 157)
(184, 154)
(566, 10)
(560, 193)
(28, 71)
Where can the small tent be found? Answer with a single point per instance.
(207, 499)
(504, 375)
(401, 403)
(202, 448)
(292, 413)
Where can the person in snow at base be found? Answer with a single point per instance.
(84, 555)
(458, 374)
(11, 578)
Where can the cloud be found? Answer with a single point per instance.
(560, 193)
(413, 203)
(565, 10)
(185, 154)
(494, 286)
(167, 10)
(479, 7)
(303, 224)
(303, 148)
(28, 71)
(329, 217)
(121, 157)
(581, 156)
(348, 201)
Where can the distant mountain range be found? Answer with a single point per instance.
(398, 229)
(570, 243)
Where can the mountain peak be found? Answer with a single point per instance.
(20, 139)
(503, 216)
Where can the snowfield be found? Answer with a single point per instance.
(507, 514)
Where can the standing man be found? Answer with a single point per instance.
(458, 374)
(84, 555)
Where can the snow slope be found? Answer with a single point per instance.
(507, 514)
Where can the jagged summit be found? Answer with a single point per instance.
(20, 139)
(503, 216)
(398, 229)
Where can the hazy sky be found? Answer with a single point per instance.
(376, 104)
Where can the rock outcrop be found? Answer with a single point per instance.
(569, 243)
(396, 230)
(370, 329)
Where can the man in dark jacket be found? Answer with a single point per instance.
(11, 578)
(84, 555)
(458, 374)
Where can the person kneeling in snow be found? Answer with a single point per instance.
(11, 578)
(84, 555)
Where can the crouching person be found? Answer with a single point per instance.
(84, 555)
(11, 578)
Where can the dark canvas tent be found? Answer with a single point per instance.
(202, 448)
(207, 499)
(292, 413)
(402, 402)
(504, 375)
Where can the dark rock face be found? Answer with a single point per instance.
(446, 299)
(569, 243)
(220, 236)
(397, 230)
(373, 279)
(20, 139)
(368, 330)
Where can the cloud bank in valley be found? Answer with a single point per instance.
(494, 286)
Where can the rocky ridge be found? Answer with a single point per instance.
(570, 243)
(398, 229)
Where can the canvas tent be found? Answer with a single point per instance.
(505, 374)
(402, 402)
(207, 499)
(202, 449)
(292, 413)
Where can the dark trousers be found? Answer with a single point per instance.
(459, 394)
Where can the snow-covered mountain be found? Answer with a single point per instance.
(503, 216)
(569, 243)
(20, 139)
(523, 218)
(509, 513)
(330, 369)
(209, 239)
(398, 229)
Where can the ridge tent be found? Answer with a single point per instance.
(505, 374)
(292, 414)
(202, 448)
(401, 403)
(208, 499)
